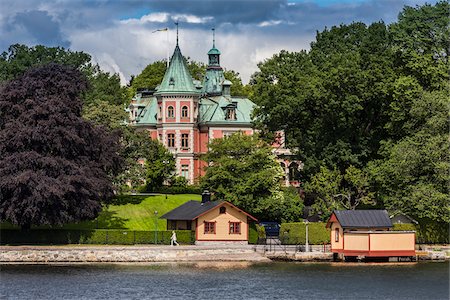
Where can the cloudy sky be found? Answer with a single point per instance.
(120, 34)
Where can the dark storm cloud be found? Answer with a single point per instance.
(38, 26)
(224, 11)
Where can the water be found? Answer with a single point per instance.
(227, 281)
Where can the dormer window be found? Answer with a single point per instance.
(171, 81)
(230, 114)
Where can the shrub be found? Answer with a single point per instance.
(295, 233)
(427, 232)
(189, 189)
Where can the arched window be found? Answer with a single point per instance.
(222, 210)
(184, 112)
(170, 112)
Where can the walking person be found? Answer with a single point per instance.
(173, 239)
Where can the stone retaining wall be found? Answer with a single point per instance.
(126, 254)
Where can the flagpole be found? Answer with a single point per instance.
(167, 46)
(167, 42)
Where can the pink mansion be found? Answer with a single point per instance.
(185, 114)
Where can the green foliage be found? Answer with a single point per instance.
(149, 78)
(104, 113)
(421, 43)
(252, 233)
(103, 86)
(189, 189)
(295, 233)
(242, 170)
(97, 236)
(20, 58)
(333, 190)
(413, 177)
(427, 231)
(160, 166)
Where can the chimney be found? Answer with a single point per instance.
(206, 196)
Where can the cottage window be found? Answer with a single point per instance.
(235, 227)
(184, 112)
(223, 210)
(170, 112)
(210, 227)
(171, 140)
(185, 140)
(336, 235)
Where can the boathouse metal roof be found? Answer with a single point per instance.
(353, 219)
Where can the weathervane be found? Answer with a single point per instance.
(214, 37)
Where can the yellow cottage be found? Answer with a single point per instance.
(213, 221)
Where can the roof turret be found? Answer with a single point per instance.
(177, 78)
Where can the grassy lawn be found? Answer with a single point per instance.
(133, 213)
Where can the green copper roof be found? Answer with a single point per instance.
(213, 50)
(212, 110)
(177, 78)
(147, 110)
(212, 82)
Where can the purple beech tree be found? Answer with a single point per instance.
(55, 167)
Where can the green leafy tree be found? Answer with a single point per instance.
(102, 85)
(330, 101)
(242, 170)
(20, 58)
(333, 190)
(422, 45)
(160, 165)
(413, 176)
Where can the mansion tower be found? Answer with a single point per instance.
(185, 114)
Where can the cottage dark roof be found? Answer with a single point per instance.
(190, 210)
(363, 218)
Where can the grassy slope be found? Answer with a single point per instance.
(134, 213)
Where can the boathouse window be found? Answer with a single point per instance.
(171, 140)
(170, 112)
(210, 227)
(185, 141)
(235, 227)
(222, 210)
(336, 235)
(184, 112)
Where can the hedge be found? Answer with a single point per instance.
(256, 234)
(428, 232)
(295, 233)
(189, 189)
(97, 236)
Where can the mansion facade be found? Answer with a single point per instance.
(185, 115)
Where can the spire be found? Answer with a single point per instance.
(176, 23)
(214, 78)
(214, 53)
(177, 78)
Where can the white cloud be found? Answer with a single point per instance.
(269, 23)
(163, 17)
